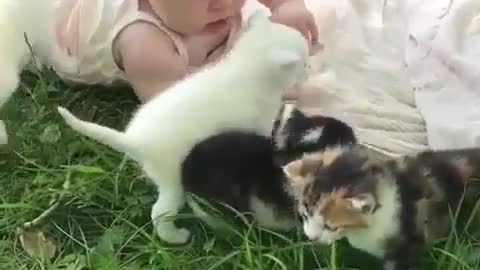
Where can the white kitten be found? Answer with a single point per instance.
(242, 92)
(21, 20)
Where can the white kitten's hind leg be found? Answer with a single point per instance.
(169, 202)
(171, 198)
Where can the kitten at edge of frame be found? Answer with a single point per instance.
(386, 208)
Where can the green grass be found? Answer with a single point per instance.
(103, 221)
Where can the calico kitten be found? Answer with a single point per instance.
(238, 168)
(295, 133)
(386, 208)
(240, 92)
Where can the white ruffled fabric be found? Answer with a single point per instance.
(405, 74)
(360, 77)
(444, 69)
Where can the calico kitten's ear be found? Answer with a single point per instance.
(294, 170)
(364, 203)
(300, 170)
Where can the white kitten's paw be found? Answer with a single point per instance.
(178, 236)
(3, 133)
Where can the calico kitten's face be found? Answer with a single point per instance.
(335, 194)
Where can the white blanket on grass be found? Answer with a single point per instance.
(404, 74)
(362, 77)
(444, 69)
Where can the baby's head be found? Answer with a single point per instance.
(196, 16)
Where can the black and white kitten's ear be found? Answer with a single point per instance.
(302, 170)
(364, 203)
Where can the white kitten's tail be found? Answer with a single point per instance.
(108, 136)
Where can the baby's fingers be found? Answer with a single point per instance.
(313, 30)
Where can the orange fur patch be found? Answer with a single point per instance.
(337, 211)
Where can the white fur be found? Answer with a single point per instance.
(280, 137)
(312, 135)
(267, 216)
(3, 133)
(20, 20)
(383, 224)
(243, 91)
(314, 229)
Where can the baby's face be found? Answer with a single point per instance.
(197, 16)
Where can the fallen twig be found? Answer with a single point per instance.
(53, 206)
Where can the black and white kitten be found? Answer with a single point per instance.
(236, 168)
(387, 208)
(239, 169)
(295, 134)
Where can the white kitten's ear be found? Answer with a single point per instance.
(257, 18)
(364, 203)
(283, 58)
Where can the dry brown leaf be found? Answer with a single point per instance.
(36, 244)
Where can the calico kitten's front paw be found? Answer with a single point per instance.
(177, 237)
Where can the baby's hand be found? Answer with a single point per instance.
(295, 14)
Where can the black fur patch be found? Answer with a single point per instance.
(233, 166)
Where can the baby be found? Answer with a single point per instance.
(153, 43)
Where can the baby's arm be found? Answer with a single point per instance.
(149, 59)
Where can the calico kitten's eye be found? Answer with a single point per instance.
(332, 229)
